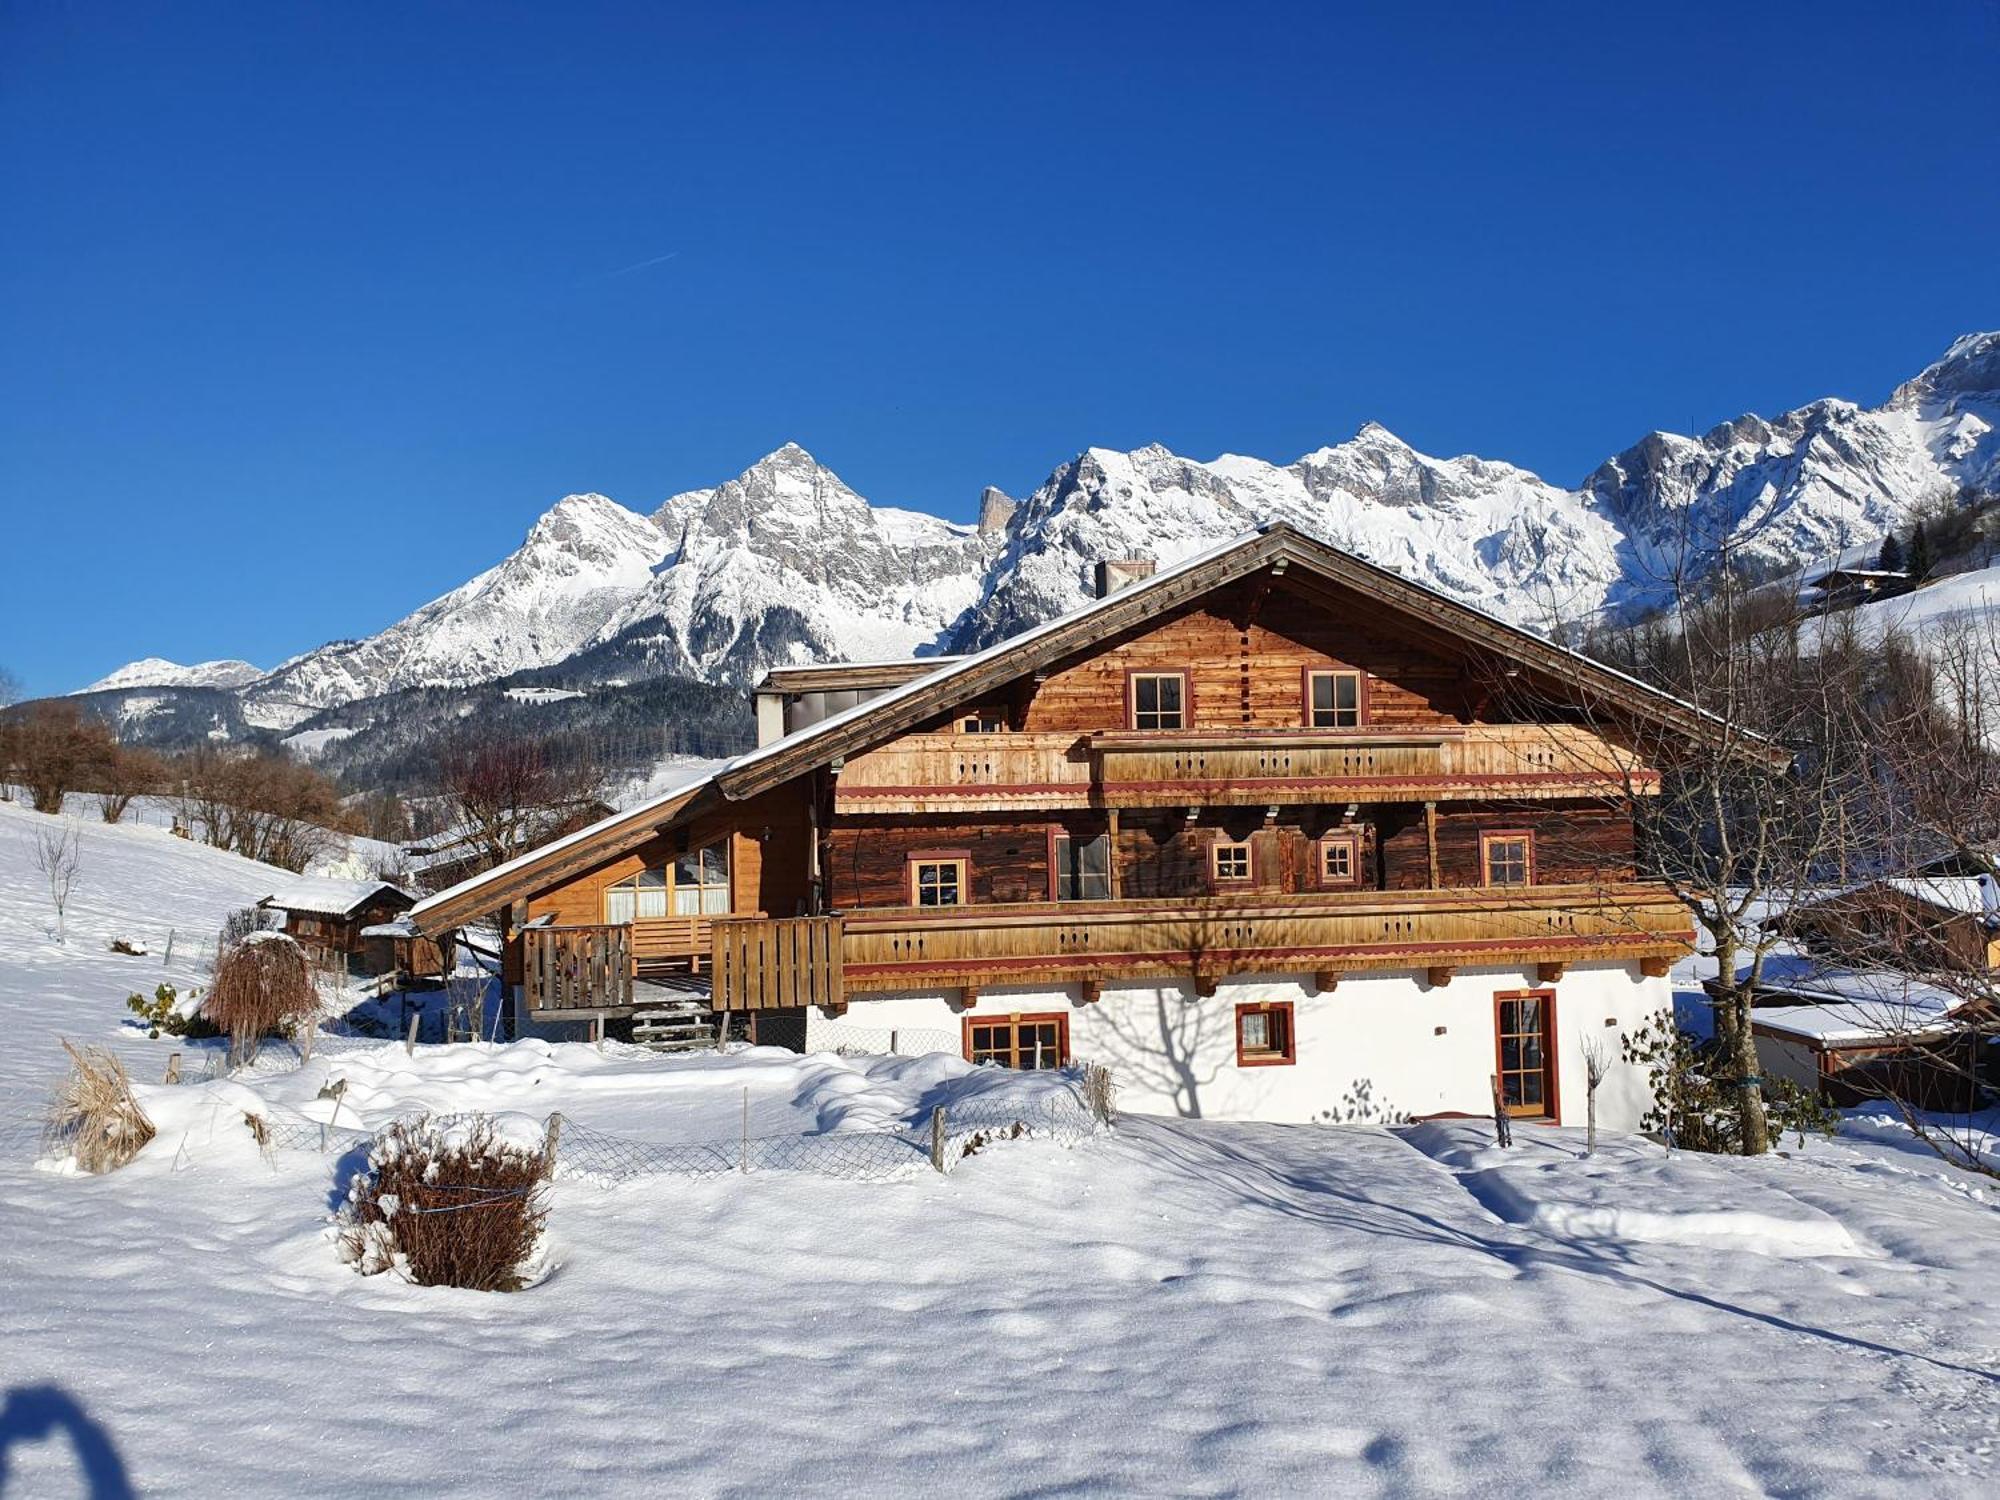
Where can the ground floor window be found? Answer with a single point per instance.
(1264, 1034)
(1524, 1029)
(1018, 1041)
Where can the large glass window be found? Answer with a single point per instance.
(642, 895)
(701, 881)
(1082, 867)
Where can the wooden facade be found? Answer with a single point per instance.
(1154, 787)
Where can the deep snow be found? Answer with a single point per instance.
(1177, 1307)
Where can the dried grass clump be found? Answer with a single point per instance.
(1100, 1092)
(447, 1206)
(94, 1116)
(262, 986)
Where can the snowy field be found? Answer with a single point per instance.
(1173, 1308)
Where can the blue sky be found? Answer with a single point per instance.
(307, 311)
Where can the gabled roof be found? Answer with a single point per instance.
(952, 680)
(325, 897)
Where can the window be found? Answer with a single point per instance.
(1523, 1026)
(641, 895)
(1229, 861)
(1080, 868)
(983, 721)
(1340, 859)
(1159, 700)
(937, 880)
(1264, 1035)
(1029, 1042)
(701, 881)
(1333, 700)
(1507, 858)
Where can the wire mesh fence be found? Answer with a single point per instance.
(877, 1041)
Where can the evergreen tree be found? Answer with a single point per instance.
(1890, 558)
(1921, 560)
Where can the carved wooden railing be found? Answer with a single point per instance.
(1211, 937)
(577, 968)
(1131, 768)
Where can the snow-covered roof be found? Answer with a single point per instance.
(401, 927)
(1957, 893)
(1844, 1007)
(1820, 582)
(326, 897)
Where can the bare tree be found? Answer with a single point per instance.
(264, 806)
(506, 796)
(128, 772)
(53, 748)
(10, 688)
(1596, 1063)
(59, 856)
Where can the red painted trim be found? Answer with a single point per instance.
(1015, 1019)
(1551, 1050)
(1283, 1059)
(1219, 958)
(1083, 789)
(1133, 674)
(1489, 835)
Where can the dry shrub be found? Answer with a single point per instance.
(446, 1205)
(94, 1117)
(1100, 1092)
(263, 985)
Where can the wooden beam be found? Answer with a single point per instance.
(1439, 975)
(1325, 981)
(1204, 985)
(968, 996)
(1431, 843)
(1549, 973)
(1111, 823)
(1655, 968)
(1089, 991)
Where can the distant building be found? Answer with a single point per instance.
(1843, 588)
(328, 918)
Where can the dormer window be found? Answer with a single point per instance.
(1159, 700)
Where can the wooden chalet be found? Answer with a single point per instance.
(1273, 832)
(329, 919)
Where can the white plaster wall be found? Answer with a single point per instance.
(1371, 1050)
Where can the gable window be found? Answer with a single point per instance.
(1080, 868)
(640, 895)
(1507, 858)
(1229, 861)
(1159, 700)
(701, 880)
(937, 879)
(1264, 1035)
(1333, 700)
(983, 721)
(1340, 859)
(1030, 1042)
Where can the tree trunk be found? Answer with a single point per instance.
(1736, 1046)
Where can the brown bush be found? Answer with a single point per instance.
(262, 985)
(446, 1206)
(94, 1116)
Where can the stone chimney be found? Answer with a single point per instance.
(1115, 573)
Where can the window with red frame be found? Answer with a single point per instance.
(1264, 1035)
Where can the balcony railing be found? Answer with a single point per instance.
(947, 772)
(1207, 938)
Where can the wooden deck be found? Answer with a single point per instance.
(926, 773)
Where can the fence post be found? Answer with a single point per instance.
(746, 1129)
(550, 1140)
(170, 949)
(173, 1068)
(410, 1042)
(892, 1041)
(937, 1137)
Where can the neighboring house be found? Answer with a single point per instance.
(1913, 924)
(1270, 832)
(329, 917)
(1843, 588)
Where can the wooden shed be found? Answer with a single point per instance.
(327, 917)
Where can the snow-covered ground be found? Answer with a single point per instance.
(1177, 1307)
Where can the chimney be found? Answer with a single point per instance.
(1115, 573)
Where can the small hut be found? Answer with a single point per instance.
(329, 917)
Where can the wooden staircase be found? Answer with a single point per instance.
(673, 1025)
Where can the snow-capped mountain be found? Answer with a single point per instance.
(157, 671)
(785, 563)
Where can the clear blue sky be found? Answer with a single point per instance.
(307, 311)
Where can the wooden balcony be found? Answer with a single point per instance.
(1165, 768)
(761, 963)
(1207, 938)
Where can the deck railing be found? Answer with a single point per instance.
(943, 772)
(577, 968)
(771, 963)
